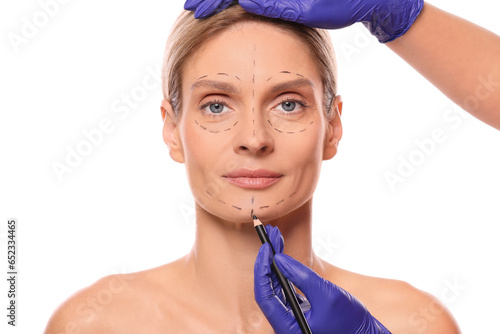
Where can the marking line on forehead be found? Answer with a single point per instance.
(287, 72)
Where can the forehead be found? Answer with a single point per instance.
(252, 48)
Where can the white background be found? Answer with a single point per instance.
(127, 206)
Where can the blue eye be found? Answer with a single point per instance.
(288, 106)
(215, 108)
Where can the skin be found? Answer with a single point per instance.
(466, 70)
(210, 290)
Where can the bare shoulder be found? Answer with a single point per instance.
(114, 304)
(398, 305)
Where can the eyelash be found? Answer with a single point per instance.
(300, 102)
(217, 101)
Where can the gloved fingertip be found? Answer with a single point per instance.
(191, 4)
(264, 256)
(284, 264)
(204, 10)
(276, 238)
(295, 271)
(251, 6)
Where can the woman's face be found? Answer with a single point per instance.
(252, 132)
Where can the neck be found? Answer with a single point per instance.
(224, 254)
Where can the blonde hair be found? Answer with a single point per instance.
(189, 34)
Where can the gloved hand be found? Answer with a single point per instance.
(386, 19)
(332, 309)
(206, 8)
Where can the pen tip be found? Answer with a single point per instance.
(254, 217)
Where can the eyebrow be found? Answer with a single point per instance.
(231, 89)
(288, 85)
(219, 85)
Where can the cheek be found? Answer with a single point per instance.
(304, 150)
(204, 152)
(303, 160)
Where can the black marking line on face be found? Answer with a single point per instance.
(214, 131)
(287, 72)
(252, 200)
(269, 121)
(205, 128)
(253, 91)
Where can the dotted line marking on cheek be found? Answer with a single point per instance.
(215, 131)
(281, 130)
(288, 132)
(204, 127)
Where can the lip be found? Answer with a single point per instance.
(252, 178)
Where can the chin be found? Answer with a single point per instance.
(241, 211)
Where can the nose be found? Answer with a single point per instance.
(253, 136)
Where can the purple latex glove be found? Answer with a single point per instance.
(386, 19)
(332, 309)
(206, 8)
